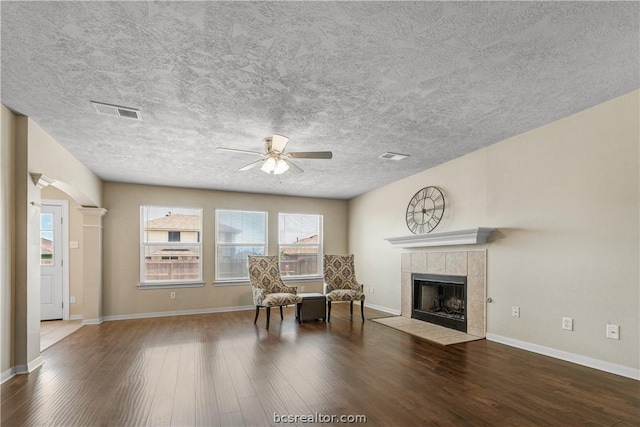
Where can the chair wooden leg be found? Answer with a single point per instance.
(328, 311)
(268, 316)
(281, 316)
(257, 312)
(351, 308)
(362, 309)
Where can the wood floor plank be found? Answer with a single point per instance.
(161, 409)
(221, 369)
(236, 367)
(253, 413)
(223, 385)
(184, 402)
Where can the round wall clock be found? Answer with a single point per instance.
(425, 210)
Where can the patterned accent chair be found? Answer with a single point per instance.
(340, 282)
(267, 286)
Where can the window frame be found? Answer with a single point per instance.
(236, 280)
(319, 245)
(173, 283)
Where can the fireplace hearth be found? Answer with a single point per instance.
(440, 299)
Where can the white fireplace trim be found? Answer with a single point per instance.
(474, 236)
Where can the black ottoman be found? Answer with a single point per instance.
(312, 307)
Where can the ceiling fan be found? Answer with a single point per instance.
(274, 159)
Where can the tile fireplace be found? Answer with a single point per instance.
(463, 266)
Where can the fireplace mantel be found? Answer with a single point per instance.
(474, 236)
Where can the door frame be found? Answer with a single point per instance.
(64, 204)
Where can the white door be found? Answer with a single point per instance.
(51, 262)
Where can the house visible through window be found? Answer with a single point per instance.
(170, 245)
(46, 239)
(238, 234)
(300, 245)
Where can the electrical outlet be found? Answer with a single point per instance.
(173, 295)
(303, 288)
(72, 300)
(515, 311)
(371, 290)
(567, 323)
(613, 332)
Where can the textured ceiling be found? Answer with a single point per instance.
(429, 79)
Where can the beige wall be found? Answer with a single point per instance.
(80, 186)
(122, 246)
(565, 199)
(7, 230)
(74, 221)
(49, 158)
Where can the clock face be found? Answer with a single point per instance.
(425, 210)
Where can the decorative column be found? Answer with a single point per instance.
(27, 276)
(92, 264)
(26, 288)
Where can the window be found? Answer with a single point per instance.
(170, 246)
(238, 234)
(46, 239)
(300, 245)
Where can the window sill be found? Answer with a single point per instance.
(236, 282)
(303, 279)
(170, 285)
(245, 282)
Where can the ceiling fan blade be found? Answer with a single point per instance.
(310, 155)
(251, 165)
(235, 150)
(278, 142)
(293, 168)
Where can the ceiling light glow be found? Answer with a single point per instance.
(275, 166)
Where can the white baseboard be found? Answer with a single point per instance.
(381, 308)
(7, 375)
(92, 321)
(29, 367)
(589, 362)
(177, 313)
(75, 317)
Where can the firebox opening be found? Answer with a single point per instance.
(440, 299)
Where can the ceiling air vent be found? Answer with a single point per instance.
(114, 110)
(393, 156)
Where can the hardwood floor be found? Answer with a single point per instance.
(220, 369)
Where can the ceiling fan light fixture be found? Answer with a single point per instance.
(281, 167)
(269, 165)
(274, 166)
(274, 159)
